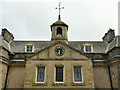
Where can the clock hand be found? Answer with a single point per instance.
(59, 52)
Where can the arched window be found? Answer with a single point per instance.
(59, 31)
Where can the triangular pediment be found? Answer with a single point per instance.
(59, 50)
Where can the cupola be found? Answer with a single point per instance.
(59, 31)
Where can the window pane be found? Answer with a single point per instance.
(88, 48)
(59, 74)
(77, 74)
(31, 48)
(27, 48)
(40, 74)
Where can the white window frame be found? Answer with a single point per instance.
(81, 73)
(88, 45)
(29, 45)
(44, 74)
(63, 74)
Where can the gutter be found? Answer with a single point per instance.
(117, 56)
(111, 84)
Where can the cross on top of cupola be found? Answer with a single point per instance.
(59, 22)
(59, 8)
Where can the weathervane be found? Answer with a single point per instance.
(59, 8)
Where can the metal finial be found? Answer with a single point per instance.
(59, 8)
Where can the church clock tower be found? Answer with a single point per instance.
(59, 30)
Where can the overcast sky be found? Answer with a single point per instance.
(88, 20)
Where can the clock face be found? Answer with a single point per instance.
(59, 51)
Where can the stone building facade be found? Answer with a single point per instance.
(59, 63)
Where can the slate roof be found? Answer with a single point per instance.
(19, 46)
(98, 46)
(59, 22)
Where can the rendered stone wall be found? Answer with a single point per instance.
(0, 67)
(16, 76)
(87, 73)
(4, 62)
(101, 77)
(4, 72)
(114, 74)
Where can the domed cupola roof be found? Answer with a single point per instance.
(59, 23)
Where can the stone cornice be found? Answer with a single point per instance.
(63, 59)
(4, 59)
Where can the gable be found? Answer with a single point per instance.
(59, 51)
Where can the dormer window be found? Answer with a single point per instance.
(88, 48)
(59, 31)
(29, 48)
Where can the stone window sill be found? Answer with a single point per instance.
(78, 84)
(39, 84)
(58, 84)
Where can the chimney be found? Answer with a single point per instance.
(109, 36)
(7, 36)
